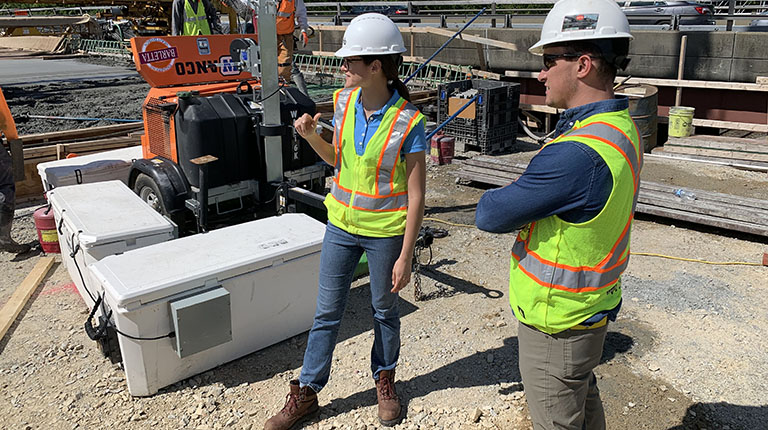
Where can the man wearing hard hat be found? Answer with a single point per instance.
(574, 205)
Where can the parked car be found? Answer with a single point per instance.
(760, 24)
(395, 13)
(657, 12)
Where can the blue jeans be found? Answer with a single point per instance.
(339, 256)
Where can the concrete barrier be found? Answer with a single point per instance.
(710, 56)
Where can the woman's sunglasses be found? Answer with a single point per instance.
(347, 61)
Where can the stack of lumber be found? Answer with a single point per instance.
(39, 148)
(731, 150)
(719, 210)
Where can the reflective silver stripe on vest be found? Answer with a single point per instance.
(386, 203)
(284, 14)
(194, 18)
(585, 278)
(392, 151)
(338, 121)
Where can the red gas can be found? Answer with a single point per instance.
(46, 229)
(442, 148)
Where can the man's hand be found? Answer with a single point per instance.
(304, 38)
(306, 126)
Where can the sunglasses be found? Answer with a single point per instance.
(551, 59)
(347, 61)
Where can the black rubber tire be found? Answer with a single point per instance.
(146, 188)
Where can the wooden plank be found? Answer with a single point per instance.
(708, 195)
(16, 303)
(32, 185)
(721, 143)
(80, 134)
(725, 153)
(731, 125)
(761, 230)
(758, 166)
(471, 38)
(82, 146)
(705, 207)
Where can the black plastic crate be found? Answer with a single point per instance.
(494, 128)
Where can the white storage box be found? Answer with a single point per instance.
(84, 169)
(223, 294)
(101, 219)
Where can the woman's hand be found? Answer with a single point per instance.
(306, 126)
(401, 274)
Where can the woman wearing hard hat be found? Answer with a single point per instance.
(574, 207)
(376, 206)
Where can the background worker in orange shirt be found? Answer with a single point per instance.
(7, 184)
(289, 11)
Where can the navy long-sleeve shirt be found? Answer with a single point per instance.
(566, 178)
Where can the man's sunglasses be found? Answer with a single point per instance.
(551, 59)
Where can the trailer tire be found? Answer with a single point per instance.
(146, 188)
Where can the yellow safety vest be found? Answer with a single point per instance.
(195, 22)
(369, 193)
(563, 273)
(285, 14)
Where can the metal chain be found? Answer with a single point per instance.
(418, 295)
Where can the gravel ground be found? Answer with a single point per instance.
(687, 352)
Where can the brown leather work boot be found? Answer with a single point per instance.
(300, 405)
(389, 403)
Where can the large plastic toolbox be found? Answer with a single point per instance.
(99, 167)
(101, 219)
(223, 294)
(490, 124)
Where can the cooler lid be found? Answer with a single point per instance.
(154, 272)
(87, 163)
(106, 212)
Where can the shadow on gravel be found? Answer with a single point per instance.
(470, 371)
(455, 285)
(723, 415)
(289, 354)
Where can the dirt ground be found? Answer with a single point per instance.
(687, 352)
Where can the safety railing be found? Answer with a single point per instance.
(327, 70)
(103, 47)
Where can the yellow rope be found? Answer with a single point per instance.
(448, 222)
(718, 263)
(646, 254)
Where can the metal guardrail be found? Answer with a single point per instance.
(325, 67)
(108, 47)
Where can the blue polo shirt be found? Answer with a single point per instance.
(365, 128)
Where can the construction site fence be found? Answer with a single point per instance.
(102, 47)
(328, 68)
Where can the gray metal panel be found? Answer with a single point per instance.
(201, 321)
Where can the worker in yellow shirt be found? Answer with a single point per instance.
(193, 18)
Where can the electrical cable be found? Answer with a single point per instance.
(98, 299)
(693, 260)
(448, 222)
(279, 87)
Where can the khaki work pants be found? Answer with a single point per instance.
(560, 387)
(285, 55)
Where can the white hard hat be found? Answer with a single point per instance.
(575, 20)
(371, 34)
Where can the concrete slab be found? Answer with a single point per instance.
(35, 71)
